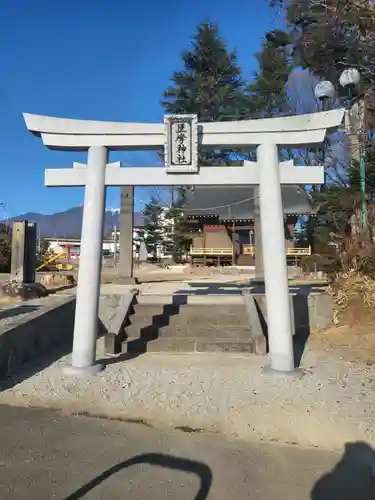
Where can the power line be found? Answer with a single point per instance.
(229, 204)
(226, 206)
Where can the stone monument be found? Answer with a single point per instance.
(23, 261)
(143, 254)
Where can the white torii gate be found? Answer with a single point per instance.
(180, 137)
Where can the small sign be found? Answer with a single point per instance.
(181, 143)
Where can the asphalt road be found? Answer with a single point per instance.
(44, 455)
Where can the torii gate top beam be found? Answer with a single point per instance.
(71, 134)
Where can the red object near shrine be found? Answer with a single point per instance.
(216, 227)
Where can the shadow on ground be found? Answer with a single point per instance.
(200, 469)
(11, 312)
(353, 478)
(213, 288)
(235, 288)
(301, 321)
(137, 347)
(34, 345)
(53, 291)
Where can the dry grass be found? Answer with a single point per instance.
(53, 281)
(353, 337)
(354, 298)
(355, 343)
(5, 300)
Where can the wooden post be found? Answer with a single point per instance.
(233, 243)
(126, 234)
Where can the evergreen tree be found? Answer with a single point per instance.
(274, 92)
(332, 35)
(180, 240)
(152, 212)
(5, 248)
(44, 246)
(209, 85)
(267, 93)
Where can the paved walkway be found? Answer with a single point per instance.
(226, 290)
(201, 287)
(45, 455)
(209, 287)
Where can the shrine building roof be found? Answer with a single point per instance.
(237, 203)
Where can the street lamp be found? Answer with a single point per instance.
(324, 92)
(350, 78)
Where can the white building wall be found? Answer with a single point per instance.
(166, 225)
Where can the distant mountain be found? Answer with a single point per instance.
(68, 224)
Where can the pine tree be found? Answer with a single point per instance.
(209, 85)
(152, 212)
(267, 93)
(180, 239)
(44, 246)
(5, 248)
(332, 35)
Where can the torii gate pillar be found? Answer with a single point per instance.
(279, 322)
(88, 289)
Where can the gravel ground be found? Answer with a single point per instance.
(332, 404)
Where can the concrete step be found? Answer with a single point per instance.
(136, 346)
(193, 315)
(185, 327)
(151, 331)
(194, 297)
(221, 308)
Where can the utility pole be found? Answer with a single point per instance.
(126, 234)
(362, 165)
(355, 130)
(115, 246)
(258, 257)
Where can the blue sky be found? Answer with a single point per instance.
(102, 60)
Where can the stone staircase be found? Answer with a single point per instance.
(176, 325)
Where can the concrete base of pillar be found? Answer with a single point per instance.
(112, 344)
(86, 371)
(297, 373)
